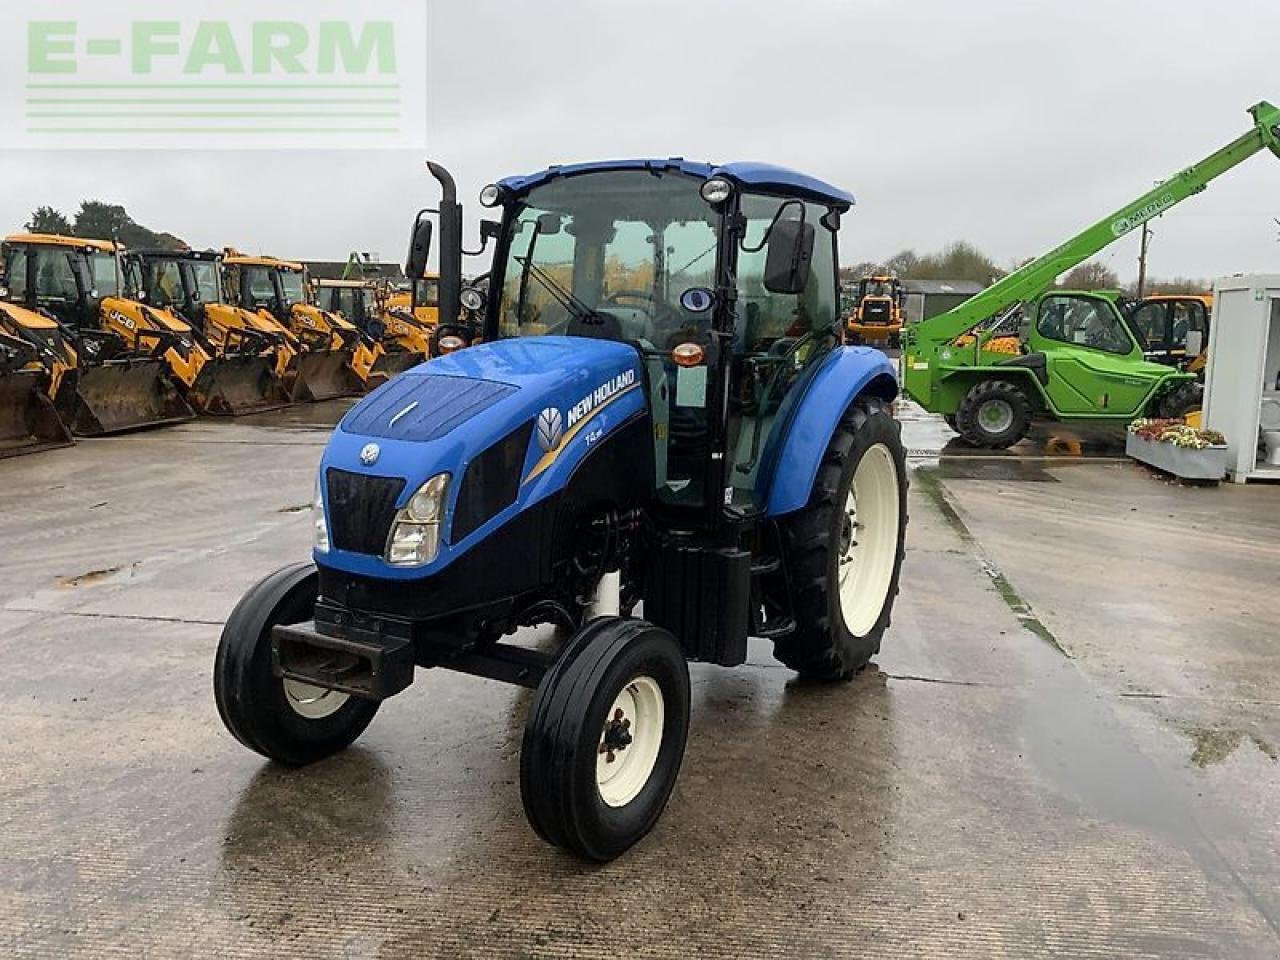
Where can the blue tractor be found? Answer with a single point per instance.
(659, 415)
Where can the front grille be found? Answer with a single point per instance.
(361, 510)
(876, 312)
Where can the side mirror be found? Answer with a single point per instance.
(789, 256)
(1195, 343)
(419, 247)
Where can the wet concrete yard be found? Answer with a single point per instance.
(1068, 746)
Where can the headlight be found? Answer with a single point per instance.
(490, 195)
(716, 190)
(472, 299)
(450, 344)
(320, 538)
(415, 535)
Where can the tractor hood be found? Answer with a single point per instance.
(535, 405)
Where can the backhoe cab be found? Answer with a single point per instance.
(254, 354)
(661, 410)
(1078, 358)
(878, 310)
(403, 342)
(137, 367)
(1173, 328)
(334, 360)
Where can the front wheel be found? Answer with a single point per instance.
(284, 720)
(844, 550)
(605, 737)
(995, 414)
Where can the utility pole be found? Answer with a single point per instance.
(1142, 258)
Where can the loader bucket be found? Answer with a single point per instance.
(323, 376)
(28, 420)
(393, 364)
(233, 386)
(126, 395)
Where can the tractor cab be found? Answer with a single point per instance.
(725, 290)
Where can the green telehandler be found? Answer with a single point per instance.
(1077, 357)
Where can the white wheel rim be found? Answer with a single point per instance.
(312, 702)
(622, 767)
(996, 416)
(869, 540)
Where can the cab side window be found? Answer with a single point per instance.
(1149, 324)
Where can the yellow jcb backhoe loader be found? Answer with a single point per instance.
(333, 359)
(37, 365)
(128, 357)
(403, 341)
(421, 301)
(254, 354)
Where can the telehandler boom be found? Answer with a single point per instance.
(1080, 360)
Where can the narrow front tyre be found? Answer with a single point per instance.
(605, 737)
(285, 720)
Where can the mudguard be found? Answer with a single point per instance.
(567, 392)
(844, 375)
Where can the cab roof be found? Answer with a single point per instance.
(158, 253)
(239, 259)
(348, 283)
(58, 240)
(747, 173)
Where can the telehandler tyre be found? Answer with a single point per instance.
(844, 550)
(284, 720)
(605, 736)
(995, 414)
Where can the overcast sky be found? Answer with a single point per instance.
(1008, 124)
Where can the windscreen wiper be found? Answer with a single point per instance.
(579, 310)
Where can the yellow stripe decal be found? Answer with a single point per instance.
(548, 458)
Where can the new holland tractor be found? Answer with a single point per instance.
(1075, 357)
(662, 413)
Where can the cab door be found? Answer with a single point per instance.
(1094, 364)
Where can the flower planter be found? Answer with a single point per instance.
(1189, 464)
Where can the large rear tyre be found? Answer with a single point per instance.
(605, 737)
(844, 550)
(291, 722)
(1185, 398)
(995, 414)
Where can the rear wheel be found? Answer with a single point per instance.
(844, 550)
(285, 720)
(605, 737)
(994, 414)
(1183, 399)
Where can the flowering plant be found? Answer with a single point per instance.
(1176, 432)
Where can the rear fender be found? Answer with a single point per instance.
(845, 375)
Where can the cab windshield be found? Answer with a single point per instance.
(292, 283)
(205, 274)
(627, 244)
(426, 292)
(102, 267)
(877, 288)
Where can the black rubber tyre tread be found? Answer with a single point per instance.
(562, 733)
(967, 416)
(1179, 401)
(952, 422)
(822, 648)
(251, 699)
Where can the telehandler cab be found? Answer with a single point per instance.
(131, 359)
(333, 359)
(661, 412)
(1078, 358)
